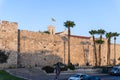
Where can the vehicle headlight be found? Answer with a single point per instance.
(114, 71)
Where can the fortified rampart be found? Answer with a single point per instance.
(8, 35)
(40, 49)
(9, 42)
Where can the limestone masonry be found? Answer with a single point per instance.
(39, 49)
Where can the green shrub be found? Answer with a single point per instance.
(64, 68)
(48, 69)
(71, 67)
(47, 32)
(3, 57)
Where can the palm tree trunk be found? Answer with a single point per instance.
(108, 53)
(95, 51)
(100, 51)
(99, 54)
(68, 45)
(114, 50)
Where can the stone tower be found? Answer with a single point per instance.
(8, 35)
(51, 29)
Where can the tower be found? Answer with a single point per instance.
(51, 29)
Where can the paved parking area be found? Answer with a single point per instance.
(38, 74)
(29, 73)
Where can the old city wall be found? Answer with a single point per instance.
(117, 53)
(9, 42)
(40, 49)
(8, 35)
(45, 49)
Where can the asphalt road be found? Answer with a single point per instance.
(102, 76)
(36, 74)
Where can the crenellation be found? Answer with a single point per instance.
(5, 22)
(14, 23)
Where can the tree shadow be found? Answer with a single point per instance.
(39, 59)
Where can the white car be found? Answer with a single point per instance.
(115, 70)
(77, 76)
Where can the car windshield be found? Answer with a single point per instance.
(114, 69)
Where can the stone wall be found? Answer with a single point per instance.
(11, 61)
(9, 42)
(40, 49)
(43, 44)
(8, 35)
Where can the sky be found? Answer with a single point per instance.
(35, 15)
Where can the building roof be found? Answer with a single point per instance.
(58, 32)
(76, 36)
(85, 37)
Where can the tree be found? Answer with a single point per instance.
(115, 34)
(100, 42)
(93, 32)
(119, 59)
(69, 24)
(109, 35)
(47, 32)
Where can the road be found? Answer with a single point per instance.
(37, 74)
(102, 76)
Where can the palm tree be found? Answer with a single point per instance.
(69, 24)
(93, 32)
(100, 41)
(115, 34)
(109, 36)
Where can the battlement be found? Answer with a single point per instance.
(8, 23)
(8, 35)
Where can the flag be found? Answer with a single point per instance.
(53, 19)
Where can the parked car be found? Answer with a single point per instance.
(91, 78)
(115, 70)
(77, 76)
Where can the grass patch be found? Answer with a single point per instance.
(6, 76)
